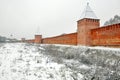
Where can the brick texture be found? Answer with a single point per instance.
(70, 39)
(106, 36)
(30, 41)
(83, 29)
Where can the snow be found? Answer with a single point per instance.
(23, 61)
(88, 13)
(105, 48)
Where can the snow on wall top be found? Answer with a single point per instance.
(88, 13)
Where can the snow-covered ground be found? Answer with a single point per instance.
(23, 61)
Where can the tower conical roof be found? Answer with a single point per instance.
(88, 13)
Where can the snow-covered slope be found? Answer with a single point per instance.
(22, 61)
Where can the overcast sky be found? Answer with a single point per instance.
(21, 18)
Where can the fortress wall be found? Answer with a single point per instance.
(70, 39)
(30, 41)
(106, 36)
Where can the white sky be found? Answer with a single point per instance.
(21, 18)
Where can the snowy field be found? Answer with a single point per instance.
(23, 61)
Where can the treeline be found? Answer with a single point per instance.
(5, 39)
(2, 39)
(114, 20)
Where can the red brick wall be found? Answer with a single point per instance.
(108, 35)
(30, 41)
(88, 33)
(70, 39)
(83, 28)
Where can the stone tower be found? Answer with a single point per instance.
(87, 22)
(38, 38)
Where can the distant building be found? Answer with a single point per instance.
(2, 39)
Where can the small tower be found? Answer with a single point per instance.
(38, 38)
(87, 22)
(22, 39)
